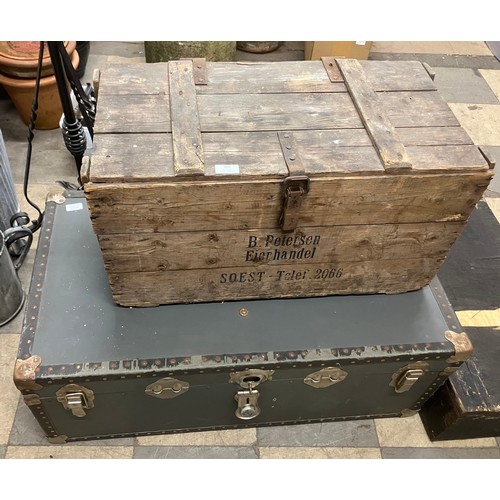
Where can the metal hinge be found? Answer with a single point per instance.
(405, 378)
(76, 399)
(167, 388)
(325, 377)
(247, 400)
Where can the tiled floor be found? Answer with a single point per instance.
(468, 76)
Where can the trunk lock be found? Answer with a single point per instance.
(247, 399)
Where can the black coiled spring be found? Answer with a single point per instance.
(74, 138)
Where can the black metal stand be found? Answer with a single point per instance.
(72, 125)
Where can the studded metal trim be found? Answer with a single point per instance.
(37, 279)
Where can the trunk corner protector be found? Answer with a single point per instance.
(462, 344)
(25, 373)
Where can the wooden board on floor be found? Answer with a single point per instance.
(468, 404)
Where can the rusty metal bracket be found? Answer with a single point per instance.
(199, 70)
(332, 69)
(295, 186)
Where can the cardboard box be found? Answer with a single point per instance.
(351, 50)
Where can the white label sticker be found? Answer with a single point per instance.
(74, 207)
(360, 43)
(227, 169)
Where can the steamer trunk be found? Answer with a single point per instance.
(227, 181)
(90, 369)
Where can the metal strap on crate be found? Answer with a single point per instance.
(296, 185)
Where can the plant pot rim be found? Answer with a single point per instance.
(27, 83)
(14, 62)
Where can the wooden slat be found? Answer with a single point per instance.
(134, 79)
(268, 78)
(201, 285)
(448, 159)
(389, 147)
(186, 132)
(417, 109)
(148, 157)
(215, 249)
(392, 76)
(261, 112)
(132, 157)
(126, 114)
(167, 207)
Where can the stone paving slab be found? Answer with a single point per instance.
(230, 437)
(492, 77)
(194, 452)
(446, 453)
(27, 432)
(357, 433)
(9, 395)
(467, 48)
(68, 452)
(441, 61)
(464, 85)
(410, 433)
(480, 121)
(315, 453)
(2, 452)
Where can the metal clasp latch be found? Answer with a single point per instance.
(296, 187)
(405, 378)
(76, 399)
(247, 399)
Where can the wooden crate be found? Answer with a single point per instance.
(223, 181)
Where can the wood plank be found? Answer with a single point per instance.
(134, 79)
(148, 157)
(392, 76)
(186, 131)
(446, 158)
(258, 247)
(132, 114)
(268, 77)
(434, 136)
(417, 109)
(168, 207)
(132, 157)
(261, 112)
(201, 285)
(389, 147)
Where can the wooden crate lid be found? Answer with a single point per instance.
(190, 119)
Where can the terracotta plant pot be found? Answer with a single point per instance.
(20, 59)
(21, 92)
